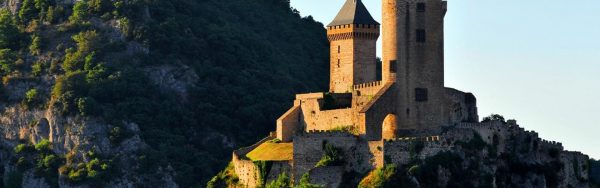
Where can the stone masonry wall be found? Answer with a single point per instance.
(352, 55)
(246, 169)
(372, 115)
(308, 150)
(398, 151)
(460, 107)
(288, 124)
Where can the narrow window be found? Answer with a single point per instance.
(339, 49)
(420, 35)
(421, 94)
(420, 7)
(338, 64)
(393, 66)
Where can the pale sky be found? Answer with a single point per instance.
(536, 61)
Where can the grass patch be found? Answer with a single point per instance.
(272, 152)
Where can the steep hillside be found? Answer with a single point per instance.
(131, 92)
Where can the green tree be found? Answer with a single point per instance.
(27, 12)
(43, 6)
(9, 33)
(36, 43)
(44, 146)
(87, 42)
(80, 13)
(282, 181)
(494, 117)
(331, 156)
(7, 61)
(100, 6)
(32, 98)
(305, 182)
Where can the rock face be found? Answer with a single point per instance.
(70, 135)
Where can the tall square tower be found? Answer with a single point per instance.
(353, 47)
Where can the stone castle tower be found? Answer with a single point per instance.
(413, 58)
(353, 35)
(376, 122)
(410, 99)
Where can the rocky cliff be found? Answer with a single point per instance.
(120, 93)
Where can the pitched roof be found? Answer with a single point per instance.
(353, 12)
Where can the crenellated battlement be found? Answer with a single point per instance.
(412, 139)
(325, 133)
(367, 85)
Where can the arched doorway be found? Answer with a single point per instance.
(390, 127)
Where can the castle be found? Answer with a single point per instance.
(373, 120)
(410, 99)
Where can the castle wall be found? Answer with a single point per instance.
(460, 107)
(398, 151)
(370, 118)
(278, 168)
(246, 169)
(328, 176)
(308, 150)
(288, 124)
(315, 119)
(576, 169)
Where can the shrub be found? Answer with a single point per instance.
(9, 32)
(27, 12)
(225, 178)
(80, 13)
(7, 61)
(305, 182)
(379, 178)
(32, 98)
(36, 45)
(331, 156)
(23, 148)
(494, 117)
(349, 129)
(43, 146)
(282, 181)
(86, 106)
(37, 69)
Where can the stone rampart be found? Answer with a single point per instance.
(460, 107)
(330, 119)
(309, 149)
(328, 176)
(368, 89)
(278, 168)
(398, 151)
(246, 169)
(288, 124)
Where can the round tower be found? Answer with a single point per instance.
(353, 38)
(413, 58)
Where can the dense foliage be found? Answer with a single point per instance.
(250, 57)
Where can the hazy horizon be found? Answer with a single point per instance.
(534, 61)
